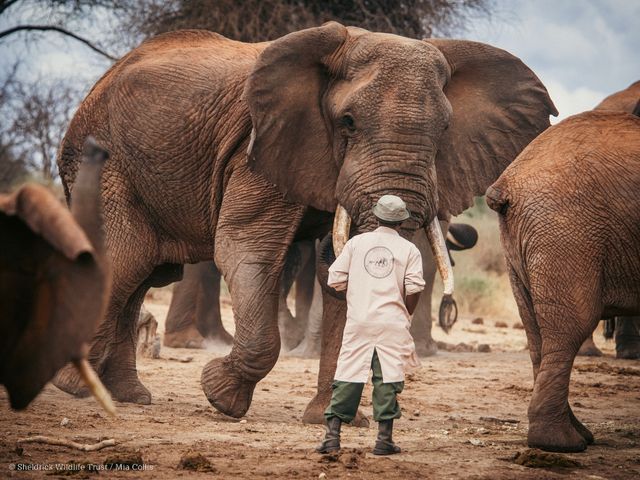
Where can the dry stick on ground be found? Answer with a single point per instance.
(68, 443)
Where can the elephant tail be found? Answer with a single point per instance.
(497, 198)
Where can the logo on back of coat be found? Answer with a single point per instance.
(378, 262)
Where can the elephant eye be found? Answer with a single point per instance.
(348, 122)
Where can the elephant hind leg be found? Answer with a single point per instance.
(552, 426)
(580, 427)
(194, 314)
(628, 337)
(119, 372)
(113, 356)
(589, 348)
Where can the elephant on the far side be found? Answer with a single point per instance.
(194, 316)
(569, 215)
(54, 283)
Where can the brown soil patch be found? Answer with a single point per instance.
(471, 416)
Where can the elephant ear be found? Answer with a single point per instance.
(290, 142)
(499, 106)
(44, 215)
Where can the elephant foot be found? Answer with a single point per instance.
(314, 414)
(122, 389)
(307, 349)
(628, 350)
(69, 381)
(426, 348)
(292, 334)
(129, 391)
(187, 338)
(225, 389)
(589, 349)
(221, 337)
(556, 437)
(581, 429)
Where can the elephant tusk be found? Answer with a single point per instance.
(448, 309)
(96, 387)
(341, 227)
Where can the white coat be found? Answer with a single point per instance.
(378, 269)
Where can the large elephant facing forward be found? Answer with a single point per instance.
(570, 222)
(231, 151)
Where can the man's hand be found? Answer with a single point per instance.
(411, 301)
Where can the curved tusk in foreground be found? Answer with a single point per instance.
(341, 227)
(448, 309)
(96, 387)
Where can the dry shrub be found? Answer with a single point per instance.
(482, 283)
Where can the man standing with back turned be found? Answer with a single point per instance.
(382, 273)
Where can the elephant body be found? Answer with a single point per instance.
(230, 151)
(569, 222)
(627, 329)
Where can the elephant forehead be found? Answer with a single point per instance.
(393, 54)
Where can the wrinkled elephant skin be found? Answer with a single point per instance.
(577, 180)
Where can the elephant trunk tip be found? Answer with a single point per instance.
(497, 199)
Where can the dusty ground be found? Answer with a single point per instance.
(464, 417)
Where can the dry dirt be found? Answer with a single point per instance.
(464, 417)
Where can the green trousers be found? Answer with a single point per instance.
(346, 397)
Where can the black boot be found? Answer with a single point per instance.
(384, 443)
(331, 442)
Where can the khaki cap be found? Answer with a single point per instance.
(391, 208)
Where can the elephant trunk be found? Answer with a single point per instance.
(86, 207)
(86, 200)
(341, 227)
(448, 308)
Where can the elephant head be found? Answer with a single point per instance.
(54, 282)
(342, 116)
(627, 100)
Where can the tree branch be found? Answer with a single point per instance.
(4, 4)
(68, 443)
(45, 28)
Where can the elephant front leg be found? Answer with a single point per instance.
(421, 322)
(255, 228)
(334, 315)
(228, 382)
